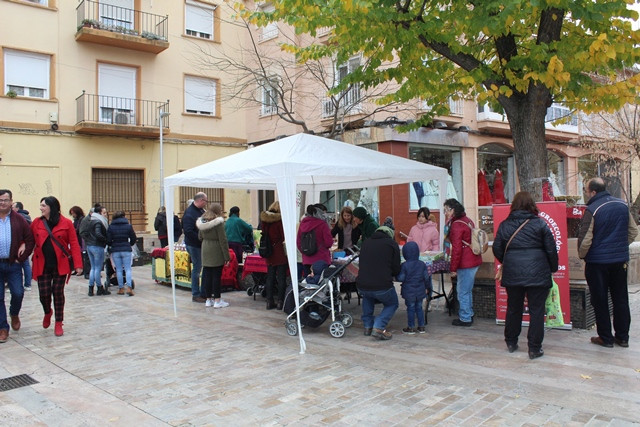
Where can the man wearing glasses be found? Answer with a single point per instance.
(16, 244)
(193, 243)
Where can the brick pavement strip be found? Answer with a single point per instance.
(127, 361)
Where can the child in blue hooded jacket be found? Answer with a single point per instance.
(416, 284)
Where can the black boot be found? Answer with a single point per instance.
(100, 290)
(270, 304)
(90, 291)
(280, 304)
(106, 291)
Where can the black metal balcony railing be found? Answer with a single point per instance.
(122, 20)
(112, 110)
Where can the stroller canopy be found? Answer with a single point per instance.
(301, 162)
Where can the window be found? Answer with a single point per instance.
(560, 112)
(117, 14)
(349, 99)
(27, 73)
(214, 195)
(269, 97)
(42, 2)
(117, 93)
(121, 190)
(556, 173)
(200, 95)
(427, 193)
(271, 30)
(199, 20)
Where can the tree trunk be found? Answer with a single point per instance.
(526, 116)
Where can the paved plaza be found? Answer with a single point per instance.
(128, 361)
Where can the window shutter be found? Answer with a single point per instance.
(200, 95)
(199, 18)
(27, 69)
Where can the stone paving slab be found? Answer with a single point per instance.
(129, 361)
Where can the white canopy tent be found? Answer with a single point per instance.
(301, 163)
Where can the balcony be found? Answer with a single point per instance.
(109, 115)
(120, 27)
(349, 103)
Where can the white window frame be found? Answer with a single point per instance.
(117, 94)
(200, 96)
(201, 17)
(269, 97)
(40, 2)
(117, 14)
(28, 74)
(270, 31)
(350, 100)
(559, 111)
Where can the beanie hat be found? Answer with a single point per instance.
(386, 230)
(360, 212)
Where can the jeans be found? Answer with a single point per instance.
(96, 258)
(196, 259)
(466, 277)
(12, 274)
(122, 260)
(602, 280)
(26, 268)
(536, 297)
(389, 300)
(414, 309)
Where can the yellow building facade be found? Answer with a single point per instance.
(83, 90)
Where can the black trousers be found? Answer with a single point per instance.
(212, 281)
(602, 280)
(536, 297)
(276, 273)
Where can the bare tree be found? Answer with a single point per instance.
(259, 73)
(614, 139)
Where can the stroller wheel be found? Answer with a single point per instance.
(347, 319)
(249, 291)
(292, 328)
(337, 329)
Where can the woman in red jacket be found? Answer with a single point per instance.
(464, 263)
(277, 264)
(55, 238)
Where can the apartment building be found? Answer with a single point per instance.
(95, 93)
(472, 142)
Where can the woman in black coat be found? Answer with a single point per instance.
(528, 263)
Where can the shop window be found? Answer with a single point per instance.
(496, 175)
(556, 173)
(427, 193)
(610, 170)
(354, 197)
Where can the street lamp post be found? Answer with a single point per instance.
(162, 116)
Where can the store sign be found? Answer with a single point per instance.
(555, 215)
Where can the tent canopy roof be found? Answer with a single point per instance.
(316, 164)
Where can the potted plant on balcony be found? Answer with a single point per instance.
(89, 23)
(11, 93)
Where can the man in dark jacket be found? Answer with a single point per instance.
(364, 222)
(606, 231)
(379, 263)
(15, 231)
(26, 265)
(193, 243)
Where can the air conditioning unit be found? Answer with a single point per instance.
(121, 119)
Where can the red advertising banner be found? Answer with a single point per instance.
(555, 215)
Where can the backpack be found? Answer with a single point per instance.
(265, 248)
(85, 227)
(479, 239)
(308, 245)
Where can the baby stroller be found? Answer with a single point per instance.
(318, 302)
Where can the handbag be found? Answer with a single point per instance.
(553, 309)
(499, 272)
(60, 245)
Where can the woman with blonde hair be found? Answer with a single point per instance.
(215, 253)
(348, 235)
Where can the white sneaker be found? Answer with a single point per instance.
(221, 304)
(27, 288)
(209, 302)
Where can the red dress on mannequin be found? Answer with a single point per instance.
(484, 194)
(498, 188)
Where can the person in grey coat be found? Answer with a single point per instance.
(215, 253)
(528, 262)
